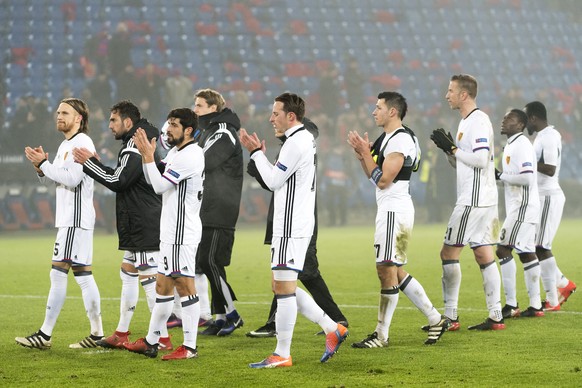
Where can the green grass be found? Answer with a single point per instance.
(534, 352)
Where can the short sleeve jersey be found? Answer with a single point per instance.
(74, 203)
(180, 220)
(548, 148)
(476, 186)
(396, 197)
(294, 184)
(521, 202)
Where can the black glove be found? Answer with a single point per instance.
(443, 140)
(497, 174)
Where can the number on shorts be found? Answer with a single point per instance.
(377, 249)
(502, 234)
(449, 233)
(56, 250)
(166, 263)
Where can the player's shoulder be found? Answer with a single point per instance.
(83, 140)
(192, 150)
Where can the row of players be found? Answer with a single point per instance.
(388, 162)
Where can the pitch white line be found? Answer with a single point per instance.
(349, 306)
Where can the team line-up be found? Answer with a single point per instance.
(178, 195)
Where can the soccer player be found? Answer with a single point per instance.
(293, 182)
(223, 178)
(522, 208)
(548, 148)
(178, 178)
(138, 210)
(389, 166)
(75, 219)
(310, 277)
(474, 220)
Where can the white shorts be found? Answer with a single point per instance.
(552, 207)
(144, 262)
(177, 260)
(74, 246)
(392, 236)
(518, 235)
(288, 254)
(475, 226)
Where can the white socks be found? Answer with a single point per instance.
(415, 292)
(160, 314)
(548, 271)
(285, 319)
(91, 299)
(307, 306)
(129, 297)
(508, 275)
(451, 282)
(203, 299)
(531, 274)
(561, 280)
(492, 289)
(386, 308)
(190, 317)
(55, 301)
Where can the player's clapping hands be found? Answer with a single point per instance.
(81, 155)
(361, 145)
(35, 155)
(251, 142)
(146, 148)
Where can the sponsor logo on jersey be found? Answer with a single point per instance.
(281, 166)
(173, 173)
(526, 164)
(481, 140)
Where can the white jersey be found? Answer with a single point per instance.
(476, 186)
(548, 147)
(74, 191)
(521, 202)
(181, 186)
(292, 179)
(396, 197)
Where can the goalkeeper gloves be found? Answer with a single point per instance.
(443, 140)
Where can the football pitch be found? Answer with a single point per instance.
(543, 351)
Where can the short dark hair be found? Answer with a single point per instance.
(127, 109)
(81, 108)
(467, 83)
(537, 109)
(395, 100)
(292, 103)
(521, 116)
(187, 118)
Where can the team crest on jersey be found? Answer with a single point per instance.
(507, 159)
(281, 166)
(173, 173)
(460, 136)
